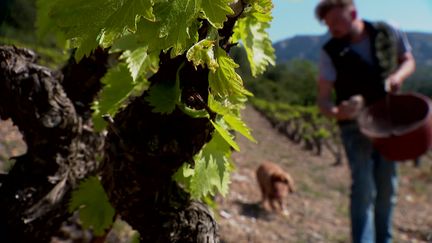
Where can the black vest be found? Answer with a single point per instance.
(356, 76)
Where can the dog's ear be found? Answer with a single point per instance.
(290, 183)
(285, 178)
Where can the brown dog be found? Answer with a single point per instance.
(275, 184)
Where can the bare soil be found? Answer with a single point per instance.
(318, 211)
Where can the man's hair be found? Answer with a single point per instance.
(324, 6)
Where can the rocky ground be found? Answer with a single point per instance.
(11, 144)
(317, 212)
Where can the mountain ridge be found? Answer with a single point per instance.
(308, 47)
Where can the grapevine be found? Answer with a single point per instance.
(148, 39)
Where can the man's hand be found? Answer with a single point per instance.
(350, 109)
(393, 83)
(406, 67)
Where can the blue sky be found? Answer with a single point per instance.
(296, 17)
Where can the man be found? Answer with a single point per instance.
(360, 63)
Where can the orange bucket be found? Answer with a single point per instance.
(400, 125)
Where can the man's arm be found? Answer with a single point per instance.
(324, 99)
(347, 110)
(406, 68)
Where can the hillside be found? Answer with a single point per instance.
(317, 211)
(308, 46)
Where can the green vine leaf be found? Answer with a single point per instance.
(43, 24)
(126, 15)
(80, 21)
(125, 18)
(225, 135)
(231, 117)
(211, 172)
(178, 28)
(202, 54)
(86, 45)
(225, 81)
(251, 31)
(216, 11)
(90, 200)
(139, 62)
(218, 151)
(148, 32)
(165, 95)
(142, 30)
(118, 84)
(238, 125)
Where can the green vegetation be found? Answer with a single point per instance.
(189, 39)
(17, 19)
(51, 57)
(302, 124)
(292, 82)
(308, 48)
(286, 95)
(92, 203)
(420, 81)
(17, 27)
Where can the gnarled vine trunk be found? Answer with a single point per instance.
(142, 150)
(136, 158)
(61, 147)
